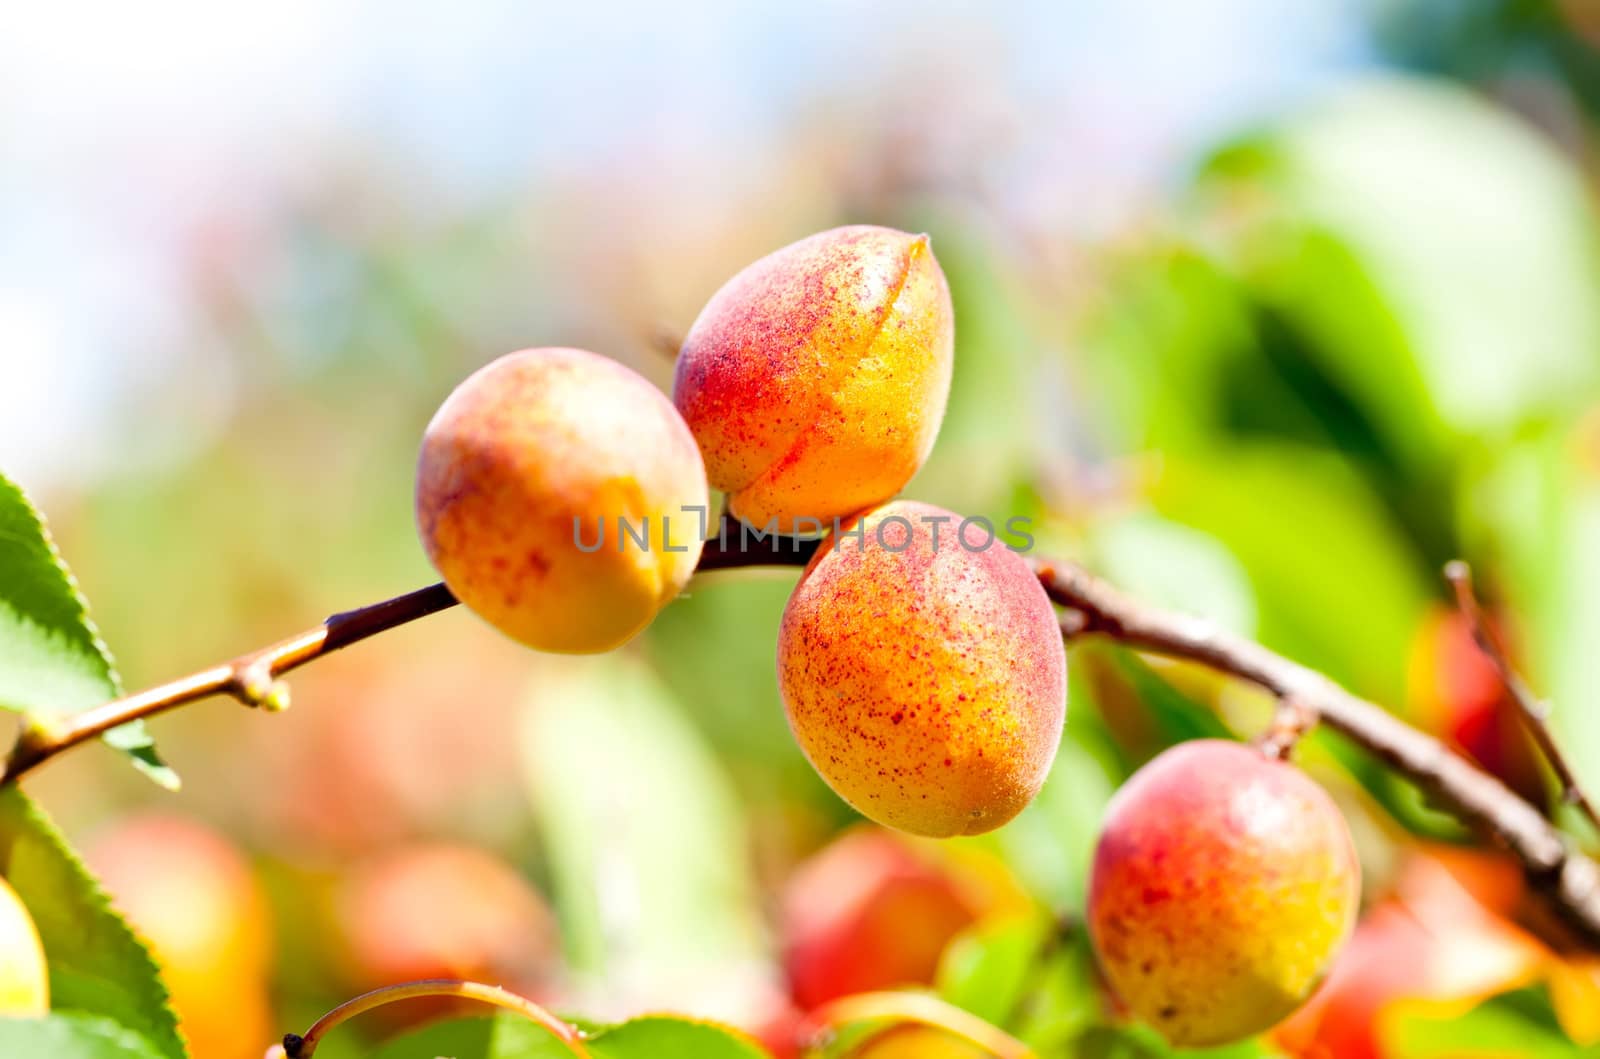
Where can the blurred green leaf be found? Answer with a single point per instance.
(667, 1037)
(1337, 586)
(1535, 507)
(642, 830)
(97, 965)
(1170, 565)
(1439, 252)
(1156, 349)
(52, 660)
(501, 1036)
(1032, 977)
(508, 1036)
(987, 969)
(1520, 1024)
(72, 1036)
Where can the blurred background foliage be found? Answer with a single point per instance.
(1265, 311)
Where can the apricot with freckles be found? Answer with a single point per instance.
(524, 475)
(923, 673)
(816, 379)
(1224, 885)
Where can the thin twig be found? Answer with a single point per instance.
(253, 678)
(921, 1009)
(1534, 712)
(303, 1046)
(1570, 880)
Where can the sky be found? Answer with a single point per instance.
(121, 126)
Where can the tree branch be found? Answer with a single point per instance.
(1534, 713)
(253, 678)
(1570, 880)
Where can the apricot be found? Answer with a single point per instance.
(816, 379)
(561, 497)
(194, 898)
(918, 1042)
(443, 910)
(867, 913)
(24, 977)
(923, 672)
(1223, 886)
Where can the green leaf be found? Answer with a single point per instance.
(501, 1036)
(642, 833)
(52, 660)
(668, 1037)
(1031, 977)
(1537, 503)
(72, 1036)
(1175, 566)
(97, 964)
(1337, 585)
(508, 1036)
(1440, 253)
(1519, 1023)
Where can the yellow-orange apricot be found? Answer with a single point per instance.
(562, 498)
(815, 380)
(918, 1042)
(24, 980)
(194, 898)
(923, 672)
(1224, 885)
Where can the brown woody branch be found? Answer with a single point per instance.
(1535, 714)
(253, 678)
(1569, 879)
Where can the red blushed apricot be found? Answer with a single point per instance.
(816, 379)
(24, 980)
(924, 678)
(1224, 885)
(443, 910)
(868, 913)
(524, 475)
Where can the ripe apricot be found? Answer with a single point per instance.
(868, 913)
(193, 896)
(918, 1042)
(24, 978)
(561, 497)
(1223, 886)
(815, 380)
(442, 910)
(923, 672)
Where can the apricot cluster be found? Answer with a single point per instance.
(921, 664)
(924, 678)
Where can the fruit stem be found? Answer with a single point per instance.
(922, 1009)
(302, 1046)
(1291, 721)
